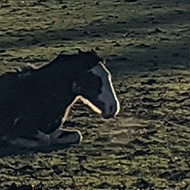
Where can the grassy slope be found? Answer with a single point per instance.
(147, 46)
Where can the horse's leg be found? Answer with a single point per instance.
(65, 136)
(59, 137)
(39, 140)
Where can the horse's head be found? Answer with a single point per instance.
(94, 85)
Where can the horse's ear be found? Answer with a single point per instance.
(76, 87)
(80, 51)
(92, 50)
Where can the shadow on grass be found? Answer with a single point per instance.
(8, 150)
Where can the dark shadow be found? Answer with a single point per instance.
(8, 150)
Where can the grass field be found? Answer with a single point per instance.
(147, 47)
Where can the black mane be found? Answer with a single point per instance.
(85, 60)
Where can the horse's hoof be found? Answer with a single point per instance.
(66, 137)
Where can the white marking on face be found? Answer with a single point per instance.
(108, 95)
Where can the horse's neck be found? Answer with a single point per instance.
(57, 77)
(62, 66)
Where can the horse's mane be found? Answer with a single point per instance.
(59, 59)
(29, 68)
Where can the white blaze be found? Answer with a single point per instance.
(108, 95)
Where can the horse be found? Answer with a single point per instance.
(35, 102)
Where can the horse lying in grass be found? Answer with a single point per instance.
(35, 102)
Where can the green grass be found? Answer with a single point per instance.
(146, 44)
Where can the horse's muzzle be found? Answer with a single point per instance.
(108, 116)
(110, 110)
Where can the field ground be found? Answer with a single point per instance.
(147, 46)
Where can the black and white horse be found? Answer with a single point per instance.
(36, 102)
